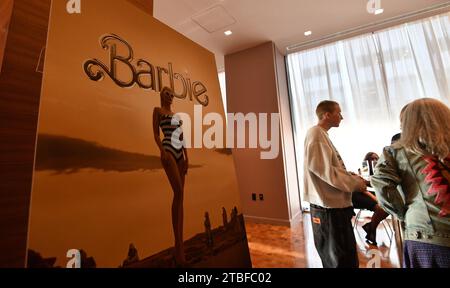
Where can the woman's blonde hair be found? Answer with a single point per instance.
(426, 128)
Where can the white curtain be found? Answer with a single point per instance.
(372, 77)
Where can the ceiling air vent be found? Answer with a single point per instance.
(214, 19)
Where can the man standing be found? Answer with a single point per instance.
(328, 187)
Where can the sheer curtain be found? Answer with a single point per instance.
(372, 77)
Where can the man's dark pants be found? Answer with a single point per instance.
(333, 236)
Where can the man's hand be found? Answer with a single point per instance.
(362, 185)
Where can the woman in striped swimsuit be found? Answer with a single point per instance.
(174, 159)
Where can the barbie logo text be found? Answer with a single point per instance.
(143, 74)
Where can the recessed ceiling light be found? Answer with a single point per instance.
(228, 33)
(308, 33)
(379, 11)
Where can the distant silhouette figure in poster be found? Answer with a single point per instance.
(132, 257)
(208, 231)
(224, 217)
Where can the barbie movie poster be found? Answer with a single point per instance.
(111, 187)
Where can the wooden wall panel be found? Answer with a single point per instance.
(5, 16)
(20, 88)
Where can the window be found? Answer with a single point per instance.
(372, 77)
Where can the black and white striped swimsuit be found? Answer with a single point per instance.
(173, 135)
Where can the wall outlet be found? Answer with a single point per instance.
(261, 197)
(254, 196)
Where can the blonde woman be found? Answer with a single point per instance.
(420, 164)
(174, 159)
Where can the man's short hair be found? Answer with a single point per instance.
(324, 107)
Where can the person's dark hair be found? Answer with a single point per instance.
(324, 107)
(395, 138)
(370, 159)
(369, 156)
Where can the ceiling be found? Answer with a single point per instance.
(282, 21)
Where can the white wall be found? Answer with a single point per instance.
(254, 86)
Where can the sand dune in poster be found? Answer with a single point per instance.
(98, 183)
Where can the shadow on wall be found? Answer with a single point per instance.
(69, 155)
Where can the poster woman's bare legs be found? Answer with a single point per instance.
(174, 159)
